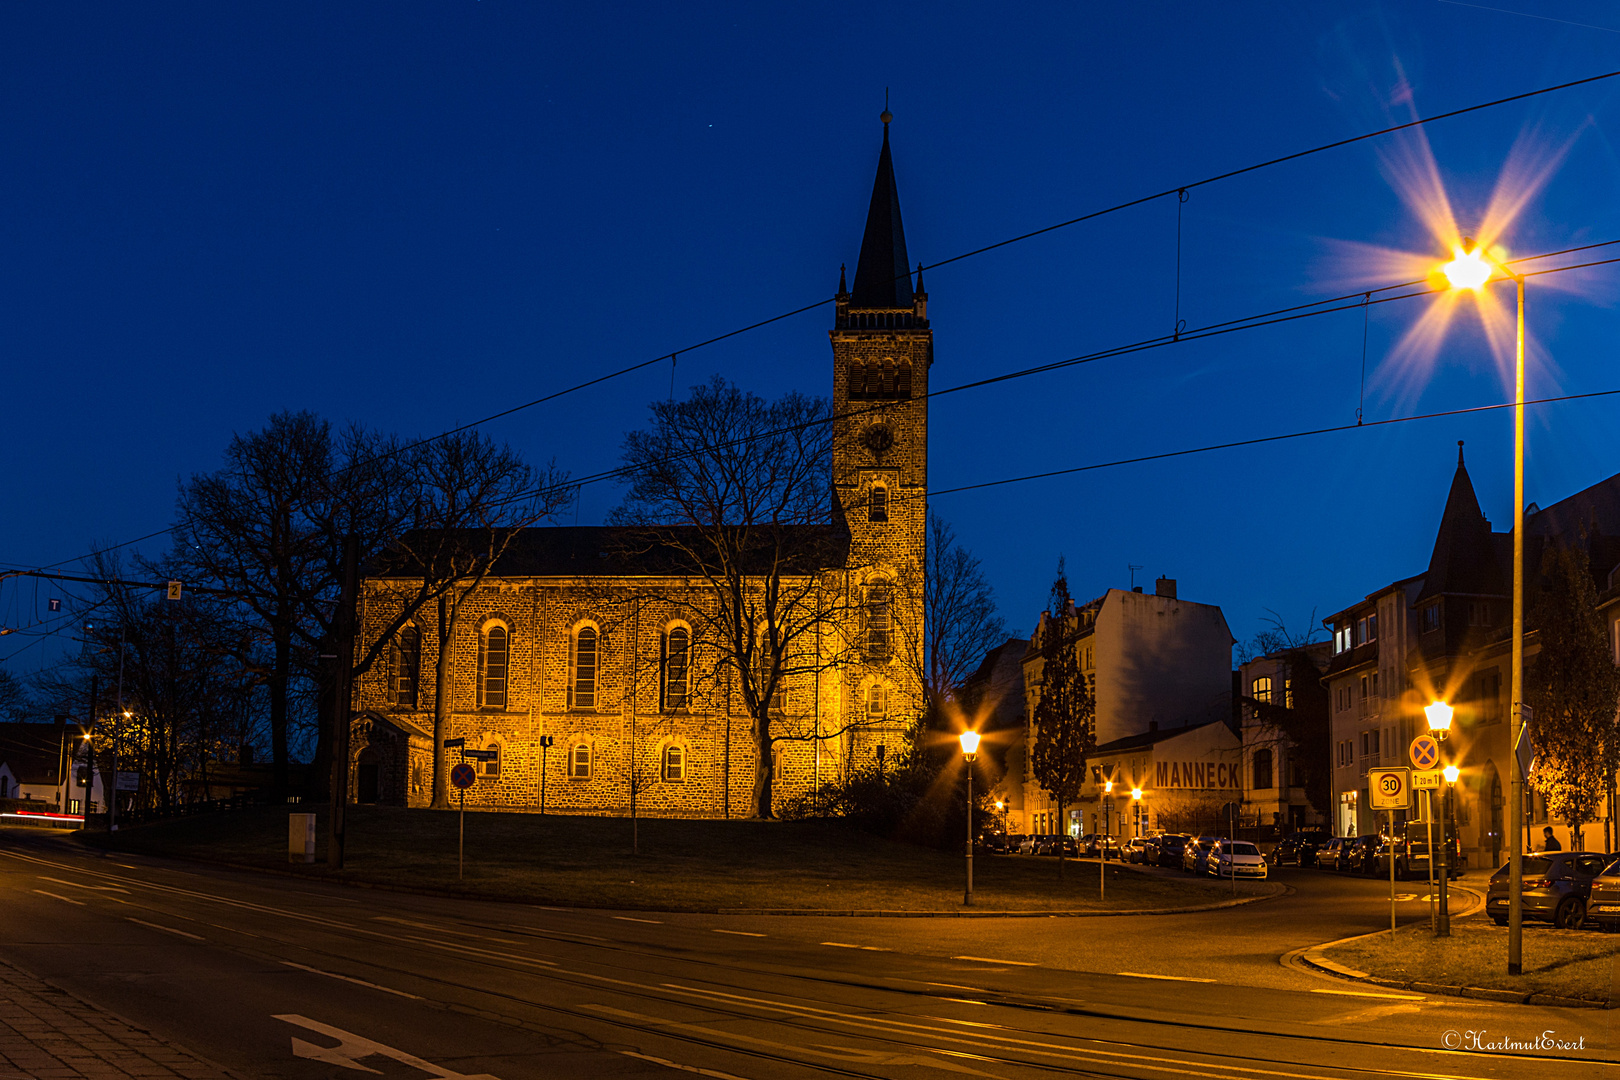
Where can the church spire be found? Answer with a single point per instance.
(883, 274)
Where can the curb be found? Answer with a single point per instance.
(463, 894)
(1313, 958)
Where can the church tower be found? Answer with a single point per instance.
(882, 349)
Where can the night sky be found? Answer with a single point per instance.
(414, 215)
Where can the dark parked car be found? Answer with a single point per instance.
(1168, 848)
(1002, 843)
(1557, 887)
(1136, 850)
(1412, 854)
(1603, 906)
(1298, 850)
(1092, 843)
(1049, 843)
(1361, 854)
(1195, 856)
(1331, 855)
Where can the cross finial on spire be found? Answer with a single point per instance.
(886, 115)
(1459, 453)
(842, 288)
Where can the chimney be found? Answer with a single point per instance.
(1165, 587)
(1136, 588)
(1153, 725)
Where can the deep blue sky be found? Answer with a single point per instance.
(413, 215)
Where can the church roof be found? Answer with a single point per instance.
(1464, 559)
(618, 551)
(883, 274)
(32, 750)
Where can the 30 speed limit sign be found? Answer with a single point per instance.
(1390, 788)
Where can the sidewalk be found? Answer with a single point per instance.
(47, 1034)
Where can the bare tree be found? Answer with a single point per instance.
(473, 497)
(734, 494)
(960, 612)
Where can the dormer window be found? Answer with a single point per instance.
(1429, 617)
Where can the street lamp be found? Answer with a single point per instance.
(1001, 808)
(1471, 268)
(1136, 811)
(1108, 804)
(970, 750)
(1450, 772)
(1439, 714)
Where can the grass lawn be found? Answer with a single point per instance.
(682, 865)
(1569, 963)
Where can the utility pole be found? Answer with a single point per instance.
(118, 731)
(342, 682)
(90, 752)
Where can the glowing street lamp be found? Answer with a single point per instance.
(1439, 714)
(1463, 272)
(1136, 805)
(970, 750)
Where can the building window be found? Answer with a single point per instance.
(1479, 613)
(1369, 744)
(879, 622)
(877, 701)
(1364, 688)
(1262, 769)
(582, 687)
(677, 669)
(902, 382)
(763, 668)
(494, 646)
(1288, 693)
(1375, 684)
(579, 762)
(877, 508)
(492, 767)
(1341, 638)
(1261, 690)
(674, 763)
(1366, 629)
(404, 660)
(1430, 617)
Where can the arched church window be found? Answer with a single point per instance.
(877, 508)
(676, 685)
(674, 763)
(902, 382)
(582, 687)
(404, 665)
(494, 654)
(879, 621)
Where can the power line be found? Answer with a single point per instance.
(1176, 190)
(1260, 440)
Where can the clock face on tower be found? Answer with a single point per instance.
(877, 439)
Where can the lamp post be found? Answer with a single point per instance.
(1001, 808)
(970, 750)
(1136, 807)
(1450, 773)
(1439, 715)
(1471, 268)
(1107, 809)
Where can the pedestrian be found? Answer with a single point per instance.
(1549, 842)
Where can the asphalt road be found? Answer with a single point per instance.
(274, 977)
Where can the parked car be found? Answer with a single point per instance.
(1557, 887)
(1002, 843)
(1299, 849)
(1603, 906)
(1092, 843)
(1196, 853)
(1331, 855)
(1235, 858)
(1361, 854)
(1168, 849)
(1136, 850)
(1027, 845)
(1049, 843)
(1412, 855)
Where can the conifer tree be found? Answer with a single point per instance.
(1064, 717)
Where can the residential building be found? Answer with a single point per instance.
(1154, 663)
(1445, 635)
(1275, 771)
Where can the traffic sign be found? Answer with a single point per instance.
(451, 744)
(482, 755)
(1425, 752)
(1389, 788)
(1427, 778)
(463, 776)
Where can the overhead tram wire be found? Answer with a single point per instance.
(1253, 322)
(1091, 216)
(1257, 441)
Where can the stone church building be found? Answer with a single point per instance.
(580, 635)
